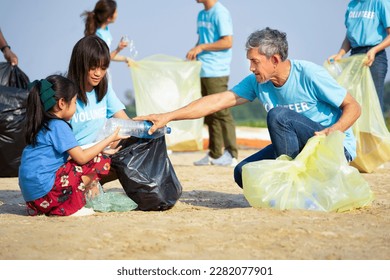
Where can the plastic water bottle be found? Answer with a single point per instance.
(334, 68)
(131, 128)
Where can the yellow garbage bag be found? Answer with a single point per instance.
(372, 135)
(319, 178)
(164, 83)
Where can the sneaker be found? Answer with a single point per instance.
(225, 160)
(203, 161)
(83, 212)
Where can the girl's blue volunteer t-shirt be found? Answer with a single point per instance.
(105, 34)
(90, 118)
(40, 163)
(309, 90)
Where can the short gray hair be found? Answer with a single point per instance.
(269, 42)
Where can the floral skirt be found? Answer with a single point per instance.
(67, 195)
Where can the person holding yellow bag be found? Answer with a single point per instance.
(368, 31)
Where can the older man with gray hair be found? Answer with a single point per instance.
(301, 98)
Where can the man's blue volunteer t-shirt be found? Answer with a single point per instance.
(309, 90)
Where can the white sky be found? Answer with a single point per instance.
(43, 32)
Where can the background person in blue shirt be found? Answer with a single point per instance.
(301, 99)
(213, 49)
(368, 29)
(97, 22)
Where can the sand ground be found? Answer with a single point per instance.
(212, 220)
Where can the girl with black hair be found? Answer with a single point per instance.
(97, 23)
(96, 100)
(55, 171)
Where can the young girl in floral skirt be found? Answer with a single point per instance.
(55, 171)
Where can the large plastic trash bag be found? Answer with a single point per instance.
(319, 178)
(164, 83)
(12, 76)
(12, 118)
(372, 135)
(110, 202)
(146, 173)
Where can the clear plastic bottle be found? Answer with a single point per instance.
(334, 68)
(131, 128)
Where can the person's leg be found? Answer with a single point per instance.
(222, 129)
(290, 131)
(67, 195)
(111, 176)
(378, 72)
(79, 179)
(226, 120)
(229, 134)
(91, 185)
(266, 153)
(211, 86)
(215, 133)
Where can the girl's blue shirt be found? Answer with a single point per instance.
(40, 163)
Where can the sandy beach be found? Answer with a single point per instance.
(212, 220)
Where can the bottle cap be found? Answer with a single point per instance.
(148, 124)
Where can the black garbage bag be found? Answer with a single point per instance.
(146, 173)
(12, 76)
(12, 129)
(13, 97)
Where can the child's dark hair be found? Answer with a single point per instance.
(42, 98)
(88, 53)
(94, 19)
